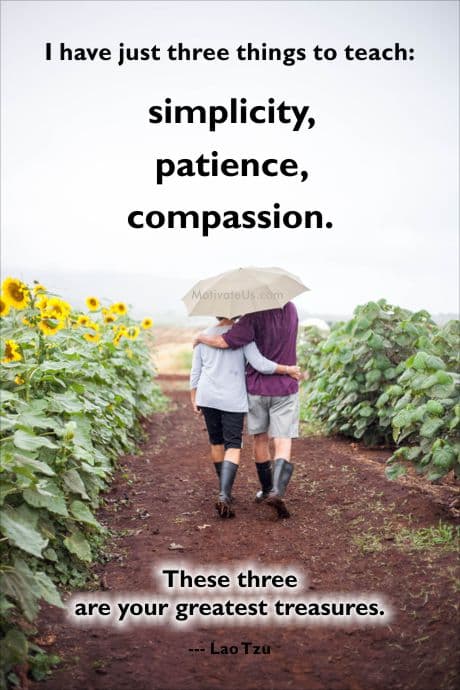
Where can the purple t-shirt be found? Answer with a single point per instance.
(275, 334)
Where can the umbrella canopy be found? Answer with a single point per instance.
(242, 291)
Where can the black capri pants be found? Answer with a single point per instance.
(224, 428)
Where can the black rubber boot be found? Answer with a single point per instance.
(218, 467)
(282, 473)
(264, 471)
(227, 477)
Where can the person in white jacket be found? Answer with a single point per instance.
(218, 391)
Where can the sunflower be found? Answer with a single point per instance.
(92, 337)
(56, 309)
(119, 328)
(83, 320)
(18, 380)
(147, 323)
(50, 326)
(94, 326)
(4, 307)
(119, 308)
(117, 338)
(15, 293)
(11, 352)
(109, 318)
(92, 303)
(38, 288)
(132, 332)
(42, 302)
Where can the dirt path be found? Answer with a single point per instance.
(345, 530)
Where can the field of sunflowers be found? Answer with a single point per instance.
(74, 387)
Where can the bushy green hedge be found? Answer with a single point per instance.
(74, 388)
(388, 376)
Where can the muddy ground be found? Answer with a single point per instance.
(351, 531)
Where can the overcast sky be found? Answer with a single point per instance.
(78, 150)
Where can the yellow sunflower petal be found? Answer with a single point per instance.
(83, 320)
(4, 307)
(15, 293)
(56, 309)
(11, 352)
(132, 332)
(92, 337)
(92, 303)
(50, 326)
(119, 308)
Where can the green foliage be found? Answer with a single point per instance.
(69, 407)
(308, 340)
(388, 376)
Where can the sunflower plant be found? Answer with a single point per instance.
(389, 376)
(74, 388)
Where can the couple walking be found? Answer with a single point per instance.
(248, 365)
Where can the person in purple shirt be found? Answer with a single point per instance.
(273, 400)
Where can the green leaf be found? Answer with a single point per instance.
(390, 373)
(431, 426)
(435, 475)
(413, 453)
(28, 441)
(48, 590)
(434, 407)
(434, 362)
(444, 458)
(13, 648)
(443, 378)
(382, 400)
(442, 391)
(19, 526)
(427, 382)
(82, 436)
(19, 585)
(78, 545)
(82, 513)
(47, 495)
(35, 420)
(74, 483)
(6, 488)
(402, 419)
(66, 402)
(407, 453)
(454, 423)
(37, 465)
(50, 554)
(7, 422)
(7, 396)
(395, 470)
(394, 390)
(373, 376)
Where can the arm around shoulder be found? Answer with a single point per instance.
(211, 340)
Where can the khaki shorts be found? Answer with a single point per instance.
(278, 415)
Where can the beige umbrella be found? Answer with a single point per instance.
(242, 291)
